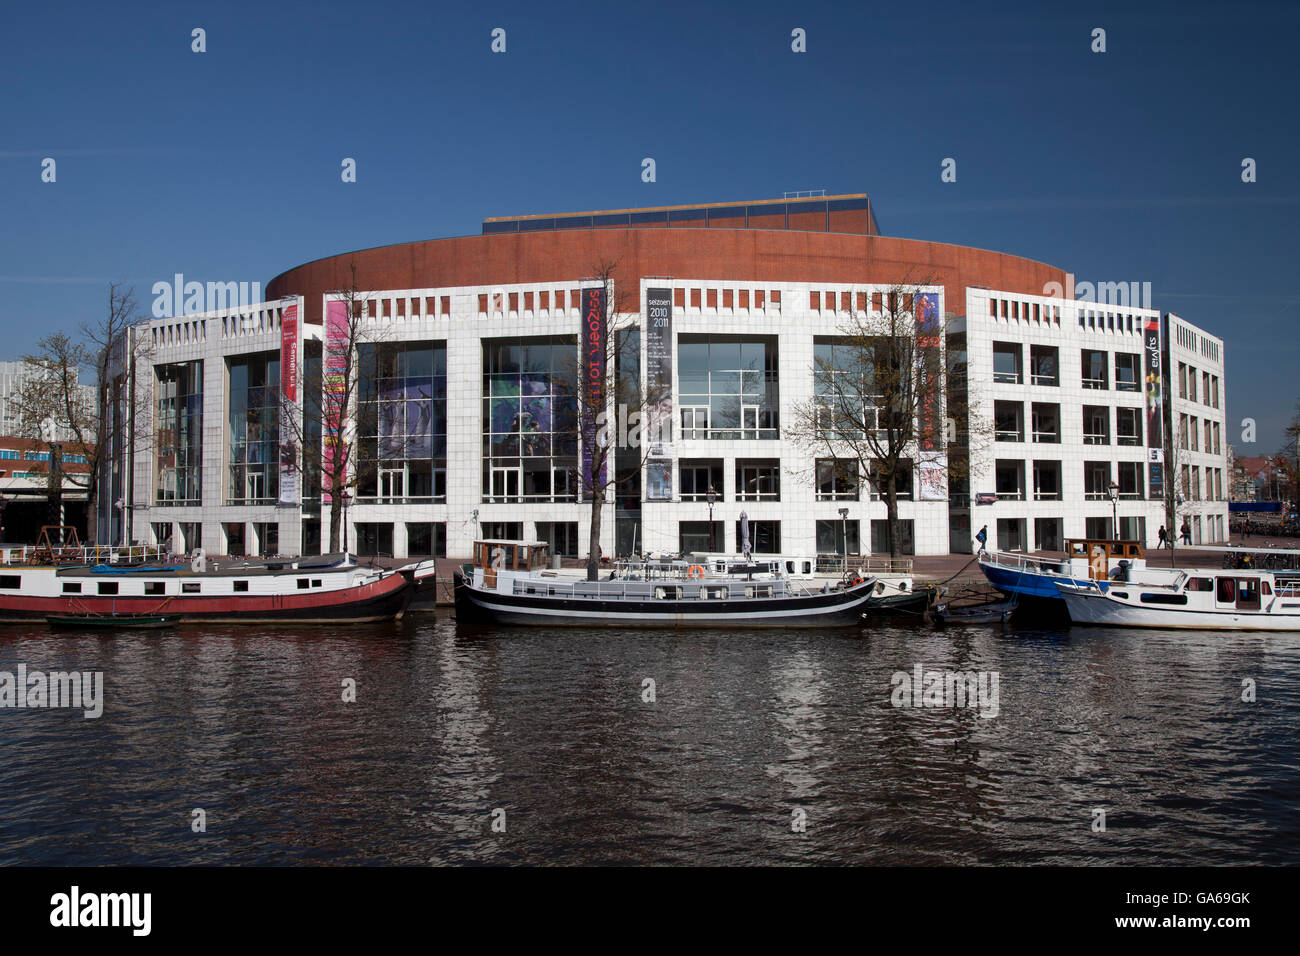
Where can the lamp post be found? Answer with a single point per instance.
(345, 498)
(844, 533)
(1114, 510)
(711, 498)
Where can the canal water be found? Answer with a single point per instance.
(618, 746)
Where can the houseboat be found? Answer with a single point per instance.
(1225, 600)
(330, 589)
(510, 583)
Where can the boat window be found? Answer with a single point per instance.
(1248, 594)
(11, 582)
(1227, 591)
(1164, 599)
(1265, 588)
(714, 593)
(71, 587)
(1120, 594)
(107, 587)
(667, 593)
(241, 585)
(1200, 584)
(315, 582)
(759, 591)
(190, 587)
(303, 584)
(154, 587)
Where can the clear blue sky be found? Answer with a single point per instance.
(224, 166)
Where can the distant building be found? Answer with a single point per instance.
(25, 465)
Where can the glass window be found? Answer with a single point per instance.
(1128, 371)
(178, 434)
(1044, 362)
(1128, 426)
(530, 425)
(837, 479)
(727, 387)
(1006, 362)
(253, 421)
(1094, 368)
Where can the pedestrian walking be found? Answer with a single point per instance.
(983, 536)
(1164, 538)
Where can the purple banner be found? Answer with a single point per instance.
(594, 338)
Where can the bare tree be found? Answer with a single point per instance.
(56, 405)
(599, 390)
(1290, 458)
(341, 432)
(879, 395)
(1175, 485)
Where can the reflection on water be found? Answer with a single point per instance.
(547, 733)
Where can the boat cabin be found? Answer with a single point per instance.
(1104, 556)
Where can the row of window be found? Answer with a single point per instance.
(10, 454)
(1128, 479)
(1045, 423)
(1209, 392)
(1045, 367)
(1192, 429)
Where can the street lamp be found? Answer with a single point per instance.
(711, 498)
(1114, 510)
(345, 498)
(844, 533)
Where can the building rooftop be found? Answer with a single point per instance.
(849, 213)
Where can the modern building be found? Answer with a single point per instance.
(725, 311)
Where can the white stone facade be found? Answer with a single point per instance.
(792, 314)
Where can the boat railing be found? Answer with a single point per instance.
(83, 554)
(838, 564)
(618, 588)
(1022, 562)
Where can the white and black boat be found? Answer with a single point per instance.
(1199, 599)
(509, 583)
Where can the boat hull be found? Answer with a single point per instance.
(383, 599)
(1091, 608)
(1032, 584)
(830, 609)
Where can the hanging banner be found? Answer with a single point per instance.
(659, 371)
(932, 474)
(658, 480)
(289, 350)
(932, 463)
(1154, 382)
(594, 395)
(334, 384)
